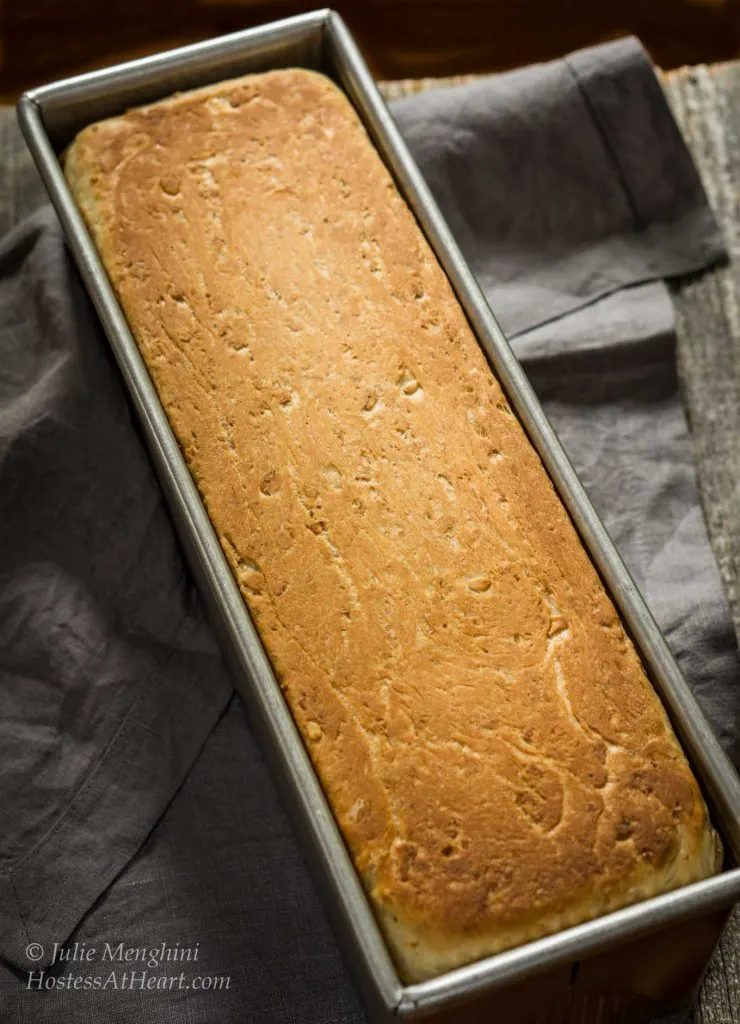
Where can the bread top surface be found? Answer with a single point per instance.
(496, 758)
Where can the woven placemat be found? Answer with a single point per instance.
(706, 103)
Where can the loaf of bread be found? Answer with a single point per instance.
(496, 758)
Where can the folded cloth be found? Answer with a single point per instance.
(110, 680)
(573, 196)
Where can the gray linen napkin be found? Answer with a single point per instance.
(572, 195)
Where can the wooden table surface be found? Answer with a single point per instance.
(41, 40)
(706, 102)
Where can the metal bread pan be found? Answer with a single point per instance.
(632, 962)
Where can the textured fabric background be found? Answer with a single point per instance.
(221, 868)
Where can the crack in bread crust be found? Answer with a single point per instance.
(497, 760)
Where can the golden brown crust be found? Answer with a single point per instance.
(496, 758)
